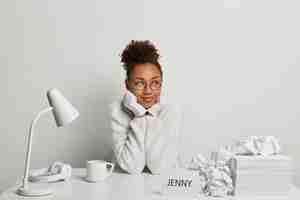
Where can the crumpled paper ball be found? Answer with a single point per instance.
(256, 145)
(215, 176)
(219, 181)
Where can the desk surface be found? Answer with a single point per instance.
(121, 186)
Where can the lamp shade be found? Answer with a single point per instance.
(63, 110)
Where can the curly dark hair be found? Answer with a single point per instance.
(139, 52)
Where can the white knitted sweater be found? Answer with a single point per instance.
(150, 140)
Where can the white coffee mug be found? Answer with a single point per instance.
(98, 170)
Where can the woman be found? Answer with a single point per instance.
(145, 132)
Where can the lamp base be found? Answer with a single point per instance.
(34, 192)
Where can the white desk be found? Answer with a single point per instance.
(121, 186)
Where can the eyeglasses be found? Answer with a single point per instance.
(141, 85)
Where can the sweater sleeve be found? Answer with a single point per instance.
(128, 139)
(162, 140)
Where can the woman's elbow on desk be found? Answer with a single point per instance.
(131, 166)
(162, 166)
(131, 169)
(158, 169)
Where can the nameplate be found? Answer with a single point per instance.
(182, 182)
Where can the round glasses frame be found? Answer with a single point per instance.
(141, 85)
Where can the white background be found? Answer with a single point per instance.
(232, 65)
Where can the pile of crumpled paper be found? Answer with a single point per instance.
(217, 173)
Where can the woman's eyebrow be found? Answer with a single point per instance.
(140, 78)
(155, 77)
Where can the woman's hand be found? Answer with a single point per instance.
(130, 102)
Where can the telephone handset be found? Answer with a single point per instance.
(56, 172)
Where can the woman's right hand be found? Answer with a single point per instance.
(130, 102)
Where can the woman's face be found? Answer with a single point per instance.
(145, 83)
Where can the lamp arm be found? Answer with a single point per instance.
(29, 144)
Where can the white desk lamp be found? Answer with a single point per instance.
(64, 113)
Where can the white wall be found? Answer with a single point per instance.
(235, 70)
